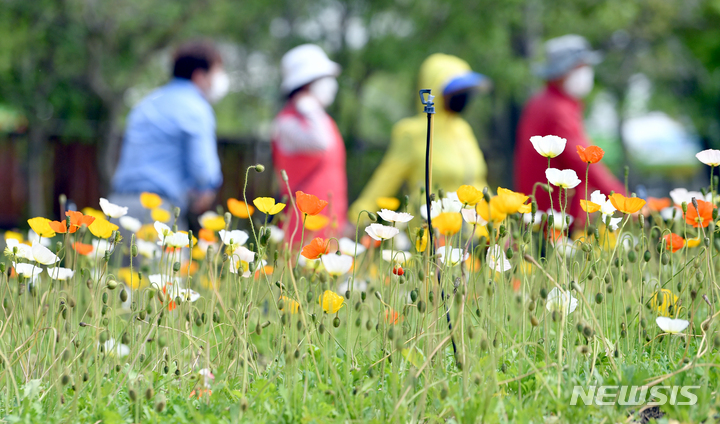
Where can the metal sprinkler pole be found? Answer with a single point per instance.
(430, 111)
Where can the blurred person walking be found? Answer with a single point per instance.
(558, 110)
(456, 160)
(306, 143)
(170, 146)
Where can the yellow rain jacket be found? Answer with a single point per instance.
(457, 159)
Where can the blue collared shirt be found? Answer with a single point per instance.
(169, 146)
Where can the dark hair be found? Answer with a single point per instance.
(194, 55)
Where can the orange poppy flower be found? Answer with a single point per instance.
(77, 220)
(656, 205)
(626, 204)
(674, 242)
(239, 208)
(207, 235)
(592, 154)
(392, 317)
(516, 284)
(309, 204)
(82, 248)
(59, 227)
(701, 216)
(315, 249)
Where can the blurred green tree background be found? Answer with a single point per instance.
(73, 68)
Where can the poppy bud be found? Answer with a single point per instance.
(112, 284)
(486, 195)
(259, 168)
(684, 207)
(372, 216)
(533, 207)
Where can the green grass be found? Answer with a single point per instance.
(501, 362)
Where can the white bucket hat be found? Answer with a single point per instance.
(304, 64)
(564, 53)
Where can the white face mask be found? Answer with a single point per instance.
(579, 83)
(219, 86)
(324, 90)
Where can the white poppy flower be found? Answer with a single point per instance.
(549, 146)
(606, 206)
(566, 247)
(496, 259)
(392, 216)
(446, 204)
(178, 240)
(710, 157)
(614, 223)
(23, 250)
(562, 302)
(276, 234)
(337, 264)
(130, 224)
(234, 237)
(558, 222)
(189, 295)
(672, 326)
(452, 256)
(348, 247)
(244, 254)
(680, 195)
(671, 212)
(534, 220)
(397, 257)
(60, 273)
(472, 217)
(43, 255)
(27, 270)
(163, 230)
(381, 232)
(112, 210)
(100, 247)
(33, 236)
(120, 350)
(563, 178)
(146, 248)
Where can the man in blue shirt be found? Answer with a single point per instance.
(169, 146)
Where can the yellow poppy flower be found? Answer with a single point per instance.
(290, 305)
(150, 200)
(268, 206)
(198, 253)
(13, 235)
(490, 212)
(41, 226)
(131, 279)
(102, 228)
(469, 195)
(693, 242)
(239, 208)
(665, 303)
(510, 202)
(212, 221)
(316, 222)
(389, 203)
(147, 232)
(448, 223)
(589, 206)
(331, 302)
(160, 214)
(94, 213)
(421, 241)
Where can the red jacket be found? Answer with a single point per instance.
(322, 173)
(552, 112)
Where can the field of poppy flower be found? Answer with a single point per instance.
(488, 311)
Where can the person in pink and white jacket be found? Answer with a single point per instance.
(306, 143)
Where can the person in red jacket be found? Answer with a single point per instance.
(306, 143)
(557, 110)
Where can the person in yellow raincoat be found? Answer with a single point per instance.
(457, 158)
